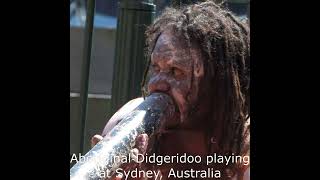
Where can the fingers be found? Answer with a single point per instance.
(142, 143)
(118, 177)
(115, 177)
(95, 139)
(133, 160)
(140, 148)
(135, 153)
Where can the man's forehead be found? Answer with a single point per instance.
(172, 39)
(169, 46)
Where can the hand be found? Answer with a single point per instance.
(140, 147)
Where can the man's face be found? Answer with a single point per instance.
(176, 70)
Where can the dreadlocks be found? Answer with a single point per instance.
(224, 41)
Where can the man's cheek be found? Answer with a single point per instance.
(180, 99)
(182, 86)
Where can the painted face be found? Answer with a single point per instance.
(176, 69)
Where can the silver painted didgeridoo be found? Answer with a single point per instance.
(100, 161)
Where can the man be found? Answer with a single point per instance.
(200, 56)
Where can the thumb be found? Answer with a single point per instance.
(95, 139)
(142, 143)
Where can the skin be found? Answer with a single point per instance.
(172, 73)
(178, 71)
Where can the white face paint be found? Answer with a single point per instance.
(176, 69)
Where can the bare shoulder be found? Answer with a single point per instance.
(123, 111)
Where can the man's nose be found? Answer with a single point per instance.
(158, 84)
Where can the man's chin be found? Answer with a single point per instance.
(174, 122)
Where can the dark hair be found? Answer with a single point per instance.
(225, 42)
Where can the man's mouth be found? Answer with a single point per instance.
(174, 122)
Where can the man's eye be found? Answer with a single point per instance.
(177, 72)
(155, 68)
